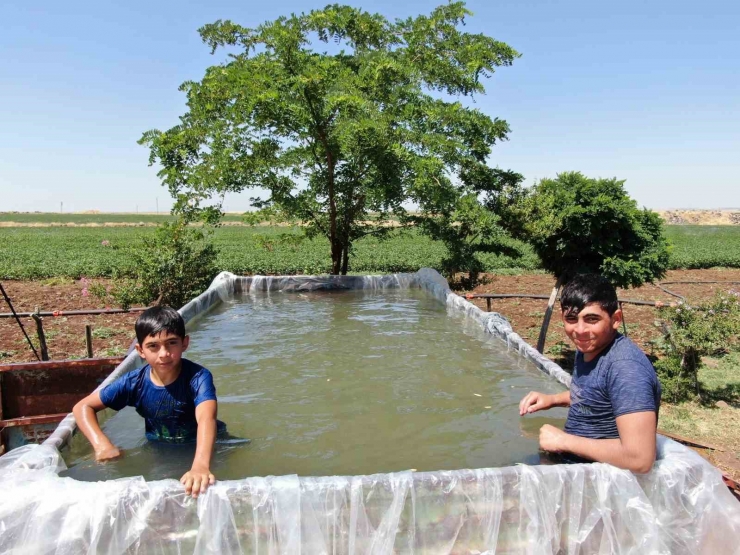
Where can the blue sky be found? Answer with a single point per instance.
(644, 91)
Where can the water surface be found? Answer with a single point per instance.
(345, 383)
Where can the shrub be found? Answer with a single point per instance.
(692, 332)
(580, 224)
(175, 265)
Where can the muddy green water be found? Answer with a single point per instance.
(344, 383)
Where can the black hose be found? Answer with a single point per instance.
(659, 286)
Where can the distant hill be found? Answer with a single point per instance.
(700, 217)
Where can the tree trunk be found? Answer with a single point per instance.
(345, 259)
(336, 250)
(548, 315)
(336, 259)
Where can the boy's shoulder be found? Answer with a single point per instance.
(192, 369)
(200, 381)
(623, 348)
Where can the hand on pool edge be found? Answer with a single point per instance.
(196, 480)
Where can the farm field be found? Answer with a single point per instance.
(92, 218)
(45, 252)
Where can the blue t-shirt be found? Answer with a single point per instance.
(169, 411)
(620, 380)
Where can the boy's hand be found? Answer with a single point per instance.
(107, 453)
(552, 439)
(197, 480)
(534, 401)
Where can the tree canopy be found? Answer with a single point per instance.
(580, 224)
(343, 139)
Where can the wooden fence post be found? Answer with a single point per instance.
(42, 338)
(88, 340)
(548, 315)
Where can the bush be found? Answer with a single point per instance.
(175, 265)
(578, 224)
(677, 385)
(692, 332)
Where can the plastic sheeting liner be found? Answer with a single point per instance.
(681, 506)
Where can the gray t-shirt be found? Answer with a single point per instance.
(620, 380)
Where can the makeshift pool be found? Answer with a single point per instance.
(681, 506)
(345, 383)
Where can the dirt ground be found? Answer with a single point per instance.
(113, 334)
(525, 315)
(65, 335)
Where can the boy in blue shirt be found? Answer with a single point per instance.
(614, 396)
(175, 396)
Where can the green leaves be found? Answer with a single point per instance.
(693, 332)
(172, 266)
(335, 138)
(578, 224)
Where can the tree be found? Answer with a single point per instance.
(578, 224)
(340, 141)
(473, 222)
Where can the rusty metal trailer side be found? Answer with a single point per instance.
(35, 396)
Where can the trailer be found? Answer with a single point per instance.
(36, 396)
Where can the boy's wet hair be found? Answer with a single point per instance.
(157, 319)
(585, 289)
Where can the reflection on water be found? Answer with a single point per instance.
(345, 383)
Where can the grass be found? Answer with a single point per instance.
(720, 380)
(112, 352)
(104, 333)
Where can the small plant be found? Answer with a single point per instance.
(171, 268)
(104, 333)
(6, 354)
(176, 265)
(114, 352)
(558, 348)
(691, 332)
(288, 240)
(124, 293)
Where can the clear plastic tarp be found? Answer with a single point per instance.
(681, 506)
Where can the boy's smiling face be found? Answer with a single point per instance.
(592, 329)
(163, 351)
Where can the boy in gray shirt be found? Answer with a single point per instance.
(615, 394)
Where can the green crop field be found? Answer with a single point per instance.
(43, 252)
(703, 246)
(72, 219)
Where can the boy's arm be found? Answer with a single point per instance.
(534, 401)
(199, 477)
(85, 412)
(634, 450)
